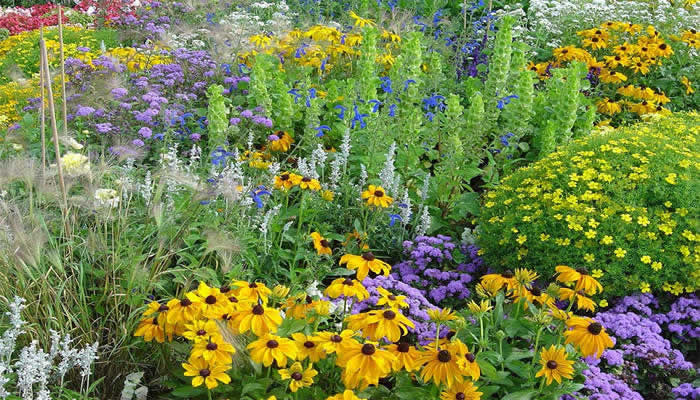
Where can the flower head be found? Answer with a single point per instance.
(555, 365)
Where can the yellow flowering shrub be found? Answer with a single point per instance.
(621, 202)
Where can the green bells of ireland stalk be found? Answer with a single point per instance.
(499, 68)
(217, 115)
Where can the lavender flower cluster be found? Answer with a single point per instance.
(153, 102)
(417, 305)
(436, 268)
(642, 354)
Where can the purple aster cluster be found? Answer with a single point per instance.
(152, 103)
(438, 267)
(605, 386)
(686, 391)
(417, 305)
(153, 20)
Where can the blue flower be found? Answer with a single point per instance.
(312, 93)
(200, 121)
(506, 100)
(242, 69)
(406, 83)
(218, 156)
(434, 101)
(261, 190)
(296, 94)
(416, 20)
(308, 101)
(430, 116)
(437, 33)
(342, 109)
(436, 17)
(204, 202)
(392, 110)
(226, 68)
(210, 18)
(342, 39)
(376, 103)
(358, 117)
(386, 84)
(393, 218)
(301, 51)
(323, 64)
(320, 130)
(181, 118)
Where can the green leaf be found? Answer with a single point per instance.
(520, 395)
(290, 326)
(188, 392)
(520, 368)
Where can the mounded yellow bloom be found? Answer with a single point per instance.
(258, 319)
(361, 22)
(207, 373)
(346, 287)
(308, 348)
(463, 391)
(269, 348)
(321, 244)
(555, 365)
(346, 395)
(391, 300)
(364, 365)
(644, 287)
(365, 263)
(376, 196)
(590, 336)
(298, 377)
(215, 351)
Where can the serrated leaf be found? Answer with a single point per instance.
(520, 395)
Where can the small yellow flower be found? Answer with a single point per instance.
(671, 178)
(656, 265)
(626, 217)
(603, 303)
(646, 259)
(588, 257)
(521, 239)
(606, 240)
(668, 204)
(620, 253)
(644, 287)
(597, 273)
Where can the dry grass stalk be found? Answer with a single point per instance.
(52, 112)
(63, 71)
(43, 107)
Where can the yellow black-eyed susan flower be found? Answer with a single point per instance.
(269, 348)
(590, 336)
(555, 365)
(203, 372)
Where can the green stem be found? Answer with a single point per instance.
(209, 394)
(437, 337)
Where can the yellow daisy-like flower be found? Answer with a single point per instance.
(215, 351)
(584, 281)
(213, 303)
(346, 287)
(361, 22)
(483, 306)
(555, 365)
(280, 141)
(461, 391)
(688, 85)
(407, 357)
(183, 311)
(258, 319)
(346, 395)
(620, 253)
(298, 377)
(252, 291)
(364, 364)
(505, 279)
(376, 196)
(321, 244)
(206, 373)
(609, 76)
(365, 263)
(466, 360)
(590, 336)
(269, 348)
(441, 315)
(391, 300)
(332, 342)
(440, 366)
(201, 331)
(608, 106)
(380, 323)
(307, 348)
(287, 180)
(582, 302)
(644, 287)
(310, 184)
(149, 329)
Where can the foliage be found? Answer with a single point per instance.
(619, 201)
